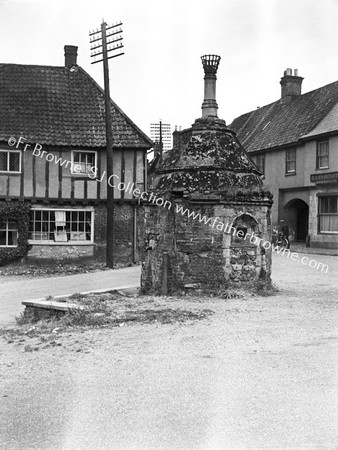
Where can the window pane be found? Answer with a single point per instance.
(91, 158)
(332, 204)
(323, 154)
(324, 223)
(3, 161)
(2, 237)
(12, 238)
(324, 161)
(323, 149)
(334, 223)
(14, 162)
(324, 205)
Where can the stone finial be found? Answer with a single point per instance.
(210, 66)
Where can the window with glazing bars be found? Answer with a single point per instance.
(290, 161)
(10, 161)
(8, 234)
(83, 162)
(328, 214)
(61, 225)
(322, 155)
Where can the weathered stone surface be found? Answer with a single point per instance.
(202, 254)
(216, 218)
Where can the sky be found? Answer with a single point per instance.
(160, 76)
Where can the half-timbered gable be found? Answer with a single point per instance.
(53, 156)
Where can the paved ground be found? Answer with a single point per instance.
(12, 293)
(260, 373)
(301, 248)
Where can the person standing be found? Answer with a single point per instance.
(284, 229)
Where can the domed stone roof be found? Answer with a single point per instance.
(208, 158)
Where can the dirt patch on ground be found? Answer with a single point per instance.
(104, 310)
(259, 372)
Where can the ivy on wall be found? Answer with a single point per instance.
(17, 212)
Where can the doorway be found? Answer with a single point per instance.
(297, 216)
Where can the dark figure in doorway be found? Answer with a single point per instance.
(284, 230)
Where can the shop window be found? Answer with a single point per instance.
(10, 161)
(322, 155)
(8, 234)
(328, 214)
(72, 226)
(290, 161)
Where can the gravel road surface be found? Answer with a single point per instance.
(260, 373)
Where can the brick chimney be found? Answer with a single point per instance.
(70, 56)
(291, 85)
(210, 66)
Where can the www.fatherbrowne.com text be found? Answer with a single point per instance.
(112, 181)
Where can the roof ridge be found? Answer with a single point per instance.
(279, 100)
(288, 121)
(34, 65)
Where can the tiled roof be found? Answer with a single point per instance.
(62, 107)
(283, 123)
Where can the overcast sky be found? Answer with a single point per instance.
(161, 76)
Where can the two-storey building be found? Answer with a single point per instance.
(294, 143)
(53, 176)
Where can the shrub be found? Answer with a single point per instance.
(17, 212)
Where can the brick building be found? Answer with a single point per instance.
(294, 142)
(53, 179)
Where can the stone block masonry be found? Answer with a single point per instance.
(217, 199)
(202, 255)
(60, 252)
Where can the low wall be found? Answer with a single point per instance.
(59, 252)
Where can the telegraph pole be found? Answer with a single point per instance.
(101, 47)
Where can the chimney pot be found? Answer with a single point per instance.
(210, 66)
(70, 56)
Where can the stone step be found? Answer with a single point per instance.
(58, 306)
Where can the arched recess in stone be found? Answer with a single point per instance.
(245, 255)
